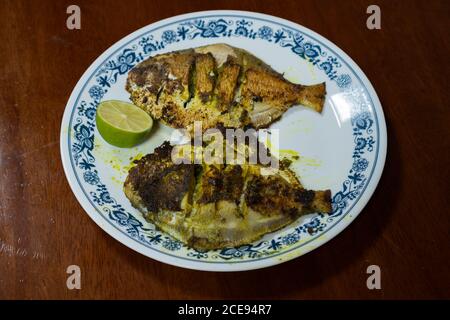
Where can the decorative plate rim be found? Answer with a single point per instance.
(287, 255)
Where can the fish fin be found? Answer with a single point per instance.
(312, 96)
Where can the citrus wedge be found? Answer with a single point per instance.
(122, 124)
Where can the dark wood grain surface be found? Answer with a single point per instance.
(405, 228)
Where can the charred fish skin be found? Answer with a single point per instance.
(218, 85)
(161, 184)
(212, 206)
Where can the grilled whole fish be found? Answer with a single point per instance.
(211, 206)
(218, 85)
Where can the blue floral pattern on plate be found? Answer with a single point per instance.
(83, 126)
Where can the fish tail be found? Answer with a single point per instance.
(322, 201)
(312, 96)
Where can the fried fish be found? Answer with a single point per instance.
(211, 206)
(218, 85)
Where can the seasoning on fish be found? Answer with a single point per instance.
(211, 206)
(219, 85)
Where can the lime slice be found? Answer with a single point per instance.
(122, 124)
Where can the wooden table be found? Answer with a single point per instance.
(404, 229)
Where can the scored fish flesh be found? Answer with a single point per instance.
(211, 206)
(219, 85)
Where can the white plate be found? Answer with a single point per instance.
(342, 149)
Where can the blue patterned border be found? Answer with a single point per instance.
(82, 123)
